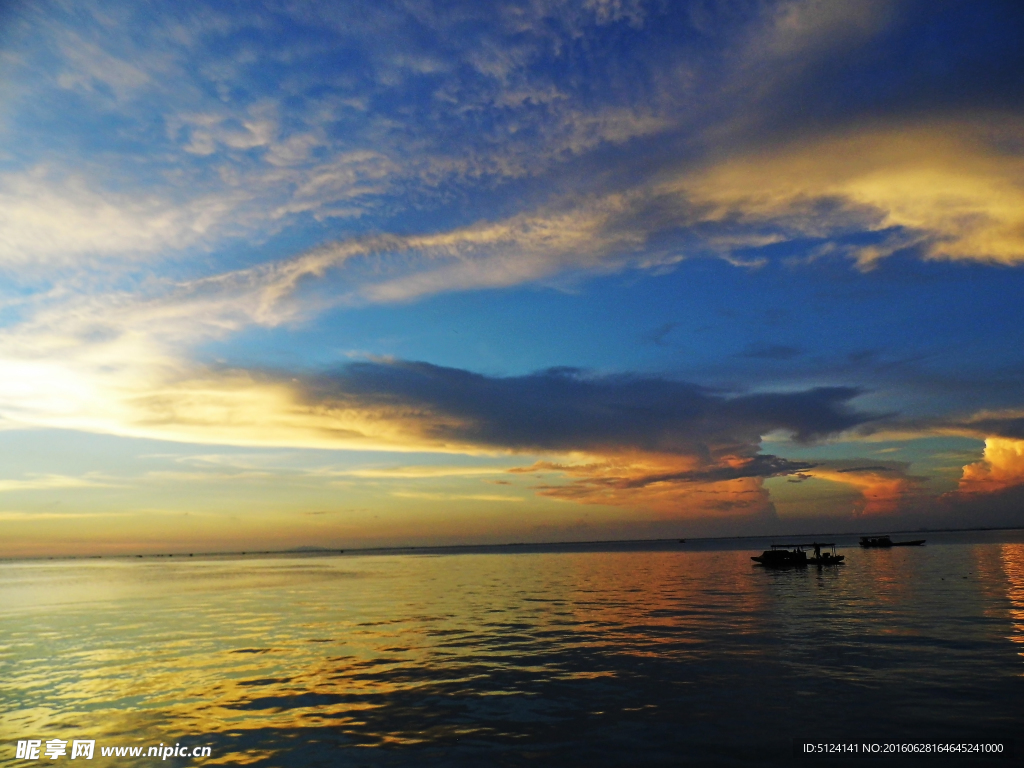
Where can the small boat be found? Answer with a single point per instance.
(825, 558)
(782, 556)
(885, 541)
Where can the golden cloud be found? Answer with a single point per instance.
(1001, 466)
(948, 186)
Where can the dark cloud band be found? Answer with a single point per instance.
(565, 409)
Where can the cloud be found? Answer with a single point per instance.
(50, 482)
(123, 386)
(415, 473)
(408, 150)
(190, 131)
(990, 491)
(885, 488)
(645, 442)
(652, 444)
(252, 124)
(982, 425)
(49, 219)
(997, 508)
(670, 484)
(19, 516)
(567, 410)
(1005, 424)
(803, 29)
(946, 190)
(951, 188)
(89, 67)
(745, 497)
(428, 496)
(1001, 467)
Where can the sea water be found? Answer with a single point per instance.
(634, 654)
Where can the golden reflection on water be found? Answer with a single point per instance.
(258, 655)
(1012, 556)
(893, 574)
(638, 605)
(225, 647)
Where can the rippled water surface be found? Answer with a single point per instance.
(622, 656)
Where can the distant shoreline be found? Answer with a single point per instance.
(311, 551)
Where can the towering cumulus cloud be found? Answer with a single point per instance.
(1001, 467)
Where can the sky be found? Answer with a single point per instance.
(293, 273)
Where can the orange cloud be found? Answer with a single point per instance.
(670, 485)
(883, 489)
(1001, 466)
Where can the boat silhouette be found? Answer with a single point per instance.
(825, 558)
(782, 556)
(794, 556)
(885, 541)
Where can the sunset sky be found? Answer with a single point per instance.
(345, 274)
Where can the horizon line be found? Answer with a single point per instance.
(327, 551)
